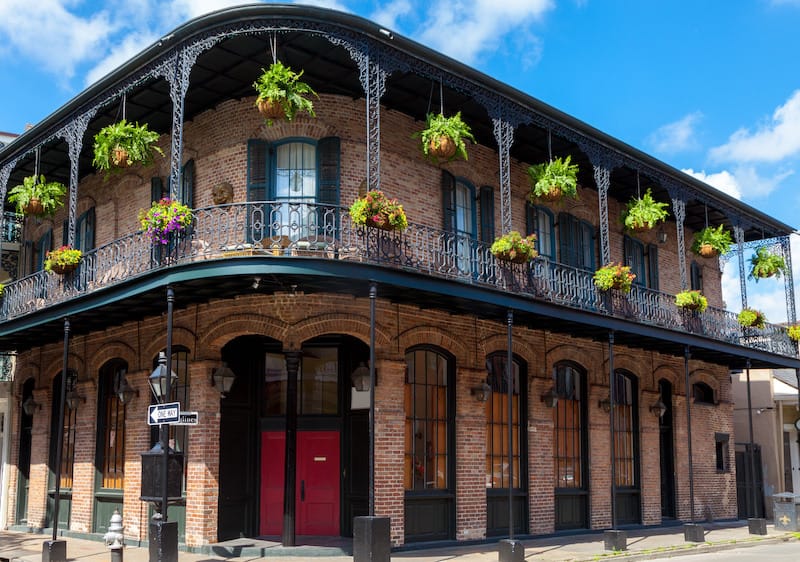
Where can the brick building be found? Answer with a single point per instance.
(275, 284)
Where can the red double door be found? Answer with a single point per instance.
(317, 490)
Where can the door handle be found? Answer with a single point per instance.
(302, 490)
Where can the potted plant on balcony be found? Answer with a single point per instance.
(375, 210)
(281, 93)
(711, 241)
(443, 137)
(691, 300)
(766, 264)
(554, 180)
(122, 144)
(163, 219)
(62, 260)
(614, 276)
(792, 331)
(751, 318)
(37, 196)
(643, 213)
(514, 248)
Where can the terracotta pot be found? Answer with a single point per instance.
(518, 258)
(707, 251)
(119, 157)
(442, 147)
(553, 195)
(34, 207)
(386, 225)
(270, 109)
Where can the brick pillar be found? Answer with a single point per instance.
(600, 451)
(650, 459)
(541, 496)
(470, 456)
(137, 441)
(83, 469)
(202, 482)
(390, 445)
(13, 460)
(40, 448)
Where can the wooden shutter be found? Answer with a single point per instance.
(156, 189)
(531, 220)
(328, 163)
(652, 266)
(487, 213)
(257, 170)
(567, 239)
(633, 252)
(696, 277)
(186, 196)
(448, 201)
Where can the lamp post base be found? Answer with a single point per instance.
(54, 551)
(694, 532)
(511, 550)
(615, 540)
(371, 539)
(163, 541)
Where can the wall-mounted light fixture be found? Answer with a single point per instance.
(662, 236)
(222, 379)
(605, 404)
(125, 392)
(550, 398)
(29, 406)
(73, 399)
(482, 392)
(360, 377)
(658, 409)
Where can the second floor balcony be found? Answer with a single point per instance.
(280, 230)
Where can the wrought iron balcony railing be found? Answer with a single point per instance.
(304, 230)
(12, 227)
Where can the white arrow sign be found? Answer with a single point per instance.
(163, 413)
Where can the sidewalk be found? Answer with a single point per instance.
(643, 544)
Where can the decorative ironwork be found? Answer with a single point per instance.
(73, 133)
(504, 135)
(10, 263)
(679, 209)
(296, 230)
(738, 237)
(6, 367)
(602, 177)
(788, 280)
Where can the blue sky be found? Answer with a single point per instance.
(709, 86)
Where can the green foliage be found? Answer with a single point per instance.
(377, 210)
(766, 264)
(50, 194)
(793, 332)
(644, 212)
(137, 140)
(692, 300)
(614, 276)
(718, 238)
(514, 247)
(163, 218)
(751, 318)
(553, 180)
(65, 256)
(439, 126)
(280, 84)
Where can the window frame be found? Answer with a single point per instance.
(497, 399)
(582, 430)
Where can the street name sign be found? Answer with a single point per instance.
(187, 418)
(163, 413)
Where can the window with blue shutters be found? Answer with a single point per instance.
(696, 277)
(540, 221)
(458, 203)
(40, 249)
(643, 261)
(576, 242)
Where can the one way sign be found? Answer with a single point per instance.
(163, 413)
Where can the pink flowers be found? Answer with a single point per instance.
(163, 218)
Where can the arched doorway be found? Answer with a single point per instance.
(24, 462)
(666, 447)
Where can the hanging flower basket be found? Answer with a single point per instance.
(691, 300)
(710, 242)
(37, 197)
(553, 181)
(643, 213)
(512, 247)
(765, 264)
(164, 218)
(270, 109)
(614, 276)
(751, 318)
(443, 137)
(34, 207)
(281, 93)
(375, 210)
(63, 260)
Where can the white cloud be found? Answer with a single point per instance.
(776, 139)
(47, 33)
(388, 14)
(120, 53)
(724, 181)
(465, 28)
(676, 136)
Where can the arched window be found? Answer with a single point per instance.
(67, 430)
(570, 447)
(702, 393)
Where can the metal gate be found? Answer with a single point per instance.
(744, 481)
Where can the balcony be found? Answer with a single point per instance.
(12, 227)
(301, 231)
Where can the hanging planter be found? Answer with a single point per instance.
(614, 276)
(123, 144)
(514, 248)
(691, 300)
(765, 264)
(793, 332)
(751, 318)
(375, 210)
(553, 180)
(281, 93)
(643, 213)
(443, 137)
(711, 242)
(37, 197)
(62, 260)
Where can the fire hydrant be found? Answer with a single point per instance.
(115, 539)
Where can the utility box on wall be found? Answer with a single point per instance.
(152, 470)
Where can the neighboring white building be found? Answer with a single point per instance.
(6, 138)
